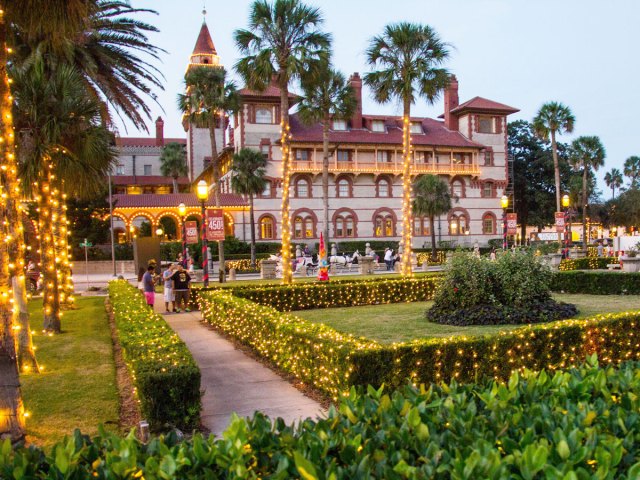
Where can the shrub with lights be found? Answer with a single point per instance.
(587, 263)
(166, 378)
(513, 289)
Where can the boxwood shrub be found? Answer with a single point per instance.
(579, 424)
(596, 283)
(166, 377)
(587, 263)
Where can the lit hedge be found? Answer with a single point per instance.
(587, 263)
(332, 361)
(596, 283)
(166, 377)
(579, 424)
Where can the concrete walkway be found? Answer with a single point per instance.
(234, 382)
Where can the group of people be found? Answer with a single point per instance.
(390, 258)
(177, 285)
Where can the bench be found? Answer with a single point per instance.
(613, 266)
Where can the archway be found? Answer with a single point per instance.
(141, 226)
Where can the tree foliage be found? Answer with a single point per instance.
(173, 162)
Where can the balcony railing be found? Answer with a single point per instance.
(393, 168)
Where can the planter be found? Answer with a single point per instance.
(268, 269)
(630, 264)
(578, 253)
(365, 265)
(552, 259)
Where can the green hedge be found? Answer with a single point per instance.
(587, 263)
(596, 283)
(581, 424)
(166, 377)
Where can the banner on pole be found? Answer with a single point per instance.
(512, 223)
(191, 231)
(215, 224)
(560, 225)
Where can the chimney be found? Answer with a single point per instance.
(356, 84)
(159, 132)
(451, 101)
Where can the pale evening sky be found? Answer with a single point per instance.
(519, 52)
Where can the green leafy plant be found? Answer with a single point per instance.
(596, 283)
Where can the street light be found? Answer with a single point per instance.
(567, 220)
(504, 201)
(202, 192)
(182, 210)
(159, 232)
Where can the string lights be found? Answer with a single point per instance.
(407, 186)
(285, 136)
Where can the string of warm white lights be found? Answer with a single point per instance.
(407, 234)
(285, 136)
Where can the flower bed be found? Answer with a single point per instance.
(587, 263)
(166, 377)
(577, 424)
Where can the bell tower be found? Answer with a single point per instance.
(204, 53)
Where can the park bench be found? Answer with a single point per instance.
(613, 266)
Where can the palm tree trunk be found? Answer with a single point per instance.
(61, 233)
(287, 273)
(325, 177)
(556, 171)
(175, 184)
(406, 191)
(584, 207)
(253, 232)
(26, 355)
(216, 193)
(432, 228)
(11, 407)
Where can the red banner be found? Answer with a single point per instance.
(512, 223)
(191, 230)
(560, 226)
(215, 224)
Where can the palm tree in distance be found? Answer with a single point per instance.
(432, 197)
(632, 170)
(281, 43)
(248, 169)
(327, 96)
(587, 153)
(613, 179)
(173, 163)
(208, 96)
(407, 60)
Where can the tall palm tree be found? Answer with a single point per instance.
(327, 96)
(632, 170)
(431, 197)
(208, 96)
(587, 153)
(282, 42)
(248, 169)
(553, 119)
(409, 59)
(173, 163)
(613, 179)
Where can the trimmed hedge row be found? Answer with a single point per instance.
(166, 377)
(596, 283)
(587, 263)
(566, 425)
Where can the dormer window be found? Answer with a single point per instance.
(339, 124)
(264, 115)
(377, 126)
(416, 127)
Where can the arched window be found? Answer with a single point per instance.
(457, 188)
(487, 190)
(458, 225)
(344, 226)
(489, 224)
(421, 226)
(303, 188)
(304, 224)
(343, 188)
(266, 193)
(264, 115)
(384, 187)
(267, 228)
(384, 224)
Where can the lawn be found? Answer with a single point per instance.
(401, 322)
(77, 388)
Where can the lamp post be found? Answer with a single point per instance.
(202, 191)
(504, 201)
(182, 210)
(567, 222)
(159, 232)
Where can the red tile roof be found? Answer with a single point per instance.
(484, 105)
(150, 200)
(145, 141)
(435, 134)
(272, 91)
(204, 44)
(147, 180)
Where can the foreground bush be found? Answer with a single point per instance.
(166, 377)
(579, 424)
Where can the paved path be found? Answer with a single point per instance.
(234, 382)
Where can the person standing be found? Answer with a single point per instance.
(181, 284)
(169, 295)
(600, 250)
(148, 285)
(388, 256)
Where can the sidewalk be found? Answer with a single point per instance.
(234, 382)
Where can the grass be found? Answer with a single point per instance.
(402, 322)
(77, 388)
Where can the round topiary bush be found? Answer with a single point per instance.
(513, 289)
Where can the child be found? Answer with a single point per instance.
(169, 295)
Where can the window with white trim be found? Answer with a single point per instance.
(377, 126)
(339, 124)
(416, 127)
(264, 115)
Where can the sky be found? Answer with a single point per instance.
(519, 52)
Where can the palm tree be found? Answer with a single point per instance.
(208, 97)
(173, 163)
(432, 197)
(613, 179)
(632, 170)
(327, 96)
(553, 119)
(409, 59)
(587, 153)
(248, 179)
(281, 43)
